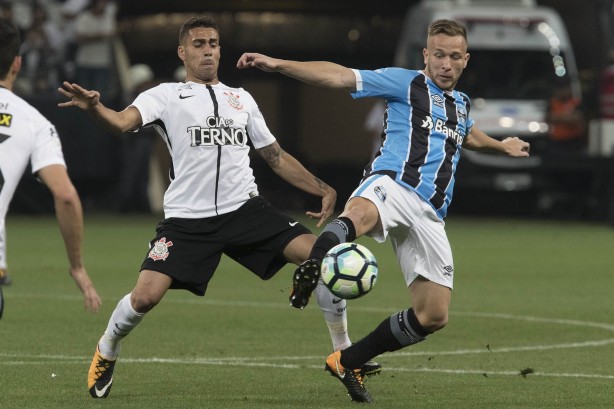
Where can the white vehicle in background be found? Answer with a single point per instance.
(518, 50)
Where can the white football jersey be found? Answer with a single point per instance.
(25, 136)
(206, 128)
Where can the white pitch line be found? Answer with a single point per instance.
(502, 373)
(526, 348)
(251, 361)
(601, 325)
(389, 310)
(222, 362)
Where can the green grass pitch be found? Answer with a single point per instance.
(531, 326)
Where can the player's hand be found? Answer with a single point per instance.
(328, 206)
(91, 300)
(516, 147)
(248, 60)
(78, 96)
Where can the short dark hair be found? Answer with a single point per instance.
(198, 21)
(447, 27)
(10, 41)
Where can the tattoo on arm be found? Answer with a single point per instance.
(321, 184)
(271, 154)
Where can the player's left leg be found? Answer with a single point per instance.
(430, 302)
(425, 257)
(400, 330)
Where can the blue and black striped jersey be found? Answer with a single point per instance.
(424, 128)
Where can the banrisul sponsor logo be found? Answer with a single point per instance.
(440, 126)
(219, 131)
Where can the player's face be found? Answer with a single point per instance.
(445, 59)
(200, 53)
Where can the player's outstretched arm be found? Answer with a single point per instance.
(293, 172)
(70, 219)
(477, 140)
(319, 73)
(89, 100)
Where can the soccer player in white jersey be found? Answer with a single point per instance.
(28, 137)
(406, 190)
(212, 206)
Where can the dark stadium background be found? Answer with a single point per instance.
(303, 29)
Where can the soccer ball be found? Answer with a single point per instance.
(349, 270)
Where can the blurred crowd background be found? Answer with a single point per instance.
(123, 47)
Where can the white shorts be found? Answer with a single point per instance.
(417, 234)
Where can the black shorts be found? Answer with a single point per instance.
(189, 250)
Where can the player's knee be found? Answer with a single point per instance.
(433, 320)
(143, 302)
(438, 322)
(363, 214)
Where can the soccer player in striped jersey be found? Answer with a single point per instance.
(27, 137)
(212, 206)
(406, 189)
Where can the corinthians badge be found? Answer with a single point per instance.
(159, 250)
(233, 100)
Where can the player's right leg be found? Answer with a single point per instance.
(149, 290)
(307, 274)
(359, 217)
(5, 279)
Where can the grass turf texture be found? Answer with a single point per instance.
(530, 298)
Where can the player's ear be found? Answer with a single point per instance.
(181, 53)
(16, 66)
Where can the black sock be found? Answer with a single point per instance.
(338, 231)
(398, 331)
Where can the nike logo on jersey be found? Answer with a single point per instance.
(292, 224)
(337, 300)
(185, 96)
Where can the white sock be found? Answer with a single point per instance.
(334, 315)
(122, 321)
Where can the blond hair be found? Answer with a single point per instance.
(448, 27)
